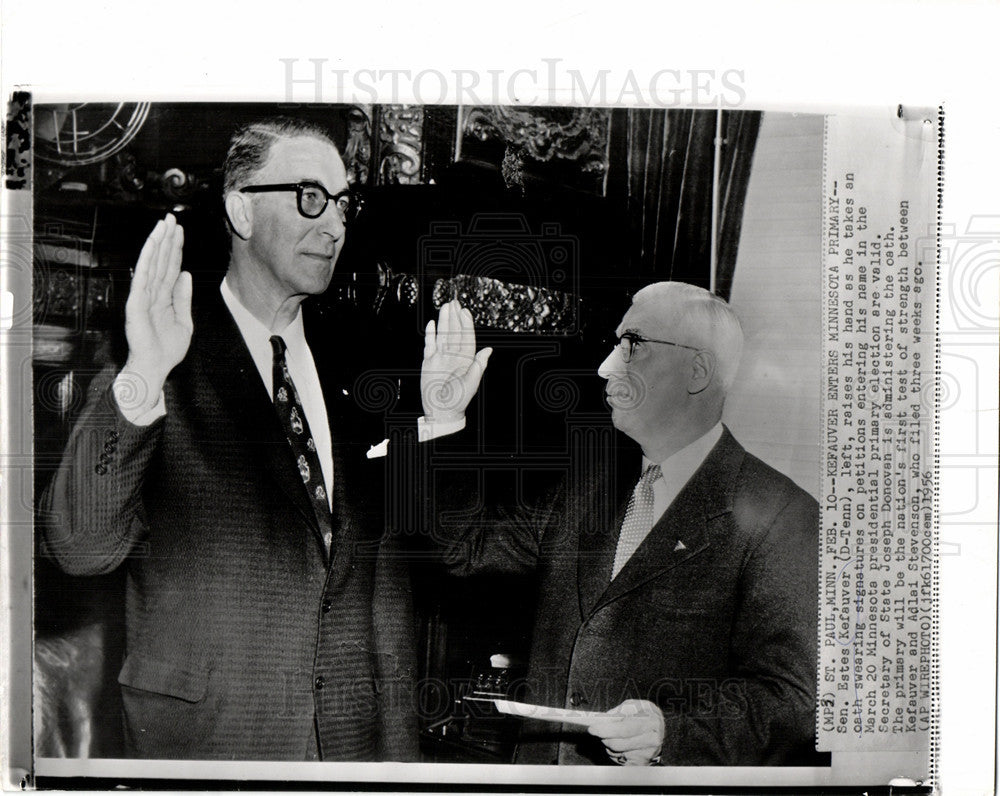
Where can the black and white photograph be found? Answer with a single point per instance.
(277, 522)
(385, 437)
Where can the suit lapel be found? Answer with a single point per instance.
(682, 531)
(235, 378)
(601, 506)
(336, 380)
(345, 532)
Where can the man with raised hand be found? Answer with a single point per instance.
(229, 468)
(688, 617)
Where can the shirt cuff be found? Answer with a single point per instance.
(429, 429)
(130, 400)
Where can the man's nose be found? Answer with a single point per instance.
(333, 224)
(611, 366)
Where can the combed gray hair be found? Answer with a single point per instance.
(251, 144)
(701, 319)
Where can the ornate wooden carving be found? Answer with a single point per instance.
(358, 149)
(401, 131)
(543, 134)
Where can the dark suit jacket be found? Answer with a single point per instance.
(713, 618)
(239, 629)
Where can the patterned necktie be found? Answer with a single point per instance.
(293, 421)
(638, 518)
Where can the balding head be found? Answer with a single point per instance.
(691, 315)
(667, 384)
(251, 144)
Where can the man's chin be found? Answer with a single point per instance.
(326, 284)
(318, 272)
(619, 417)
(320, 284)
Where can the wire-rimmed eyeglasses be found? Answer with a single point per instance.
(312, 198)
(628, 342)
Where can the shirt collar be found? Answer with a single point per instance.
(253, 330)
(689, 458)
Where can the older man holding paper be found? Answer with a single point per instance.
(683, 628)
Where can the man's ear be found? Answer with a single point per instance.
(239, 210)
(702, 372)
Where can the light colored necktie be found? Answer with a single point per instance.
(638, 518)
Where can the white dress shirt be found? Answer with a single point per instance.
(301, 367)
(257, 337)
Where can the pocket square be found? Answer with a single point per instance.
(680, 546)
(378, 451)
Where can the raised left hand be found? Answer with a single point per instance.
(632, 732)
(452, 369)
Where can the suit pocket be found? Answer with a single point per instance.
(149, 674)
(167, 712)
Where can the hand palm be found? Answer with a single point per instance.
(451, 369)
(158, 321)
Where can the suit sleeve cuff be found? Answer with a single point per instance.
(428, 429)
(132, 403)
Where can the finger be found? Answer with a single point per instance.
(444, 322)
(460, 329)
(175, 254)
(467, 334)
(145, 266)
(171, 230)
(639, 757)
(182, 299)
(138, 296)
(616, 744)
(632, 743)
(453, 329)
(173, 251)
(472, 377)
(163, 261)
(430, 346)
(635, 725)
(629, 727)
(630, 707)
(605, 727)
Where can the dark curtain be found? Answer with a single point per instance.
(665, 185)
(739, 136)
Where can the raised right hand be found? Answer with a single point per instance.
(158, 321)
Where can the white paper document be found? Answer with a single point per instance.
(565, 715)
